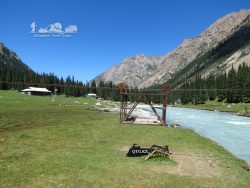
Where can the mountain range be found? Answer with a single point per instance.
(224, 44)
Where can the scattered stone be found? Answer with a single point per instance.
(175, 125)
(246, 167)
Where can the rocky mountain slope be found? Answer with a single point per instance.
(235, 59)
(133, 70)
(224, 43)
(11, 59)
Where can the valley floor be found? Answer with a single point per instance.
(69, 143)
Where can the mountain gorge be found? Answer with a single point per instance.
(224, 44)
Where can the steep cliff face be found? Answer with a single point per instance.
(134, 71)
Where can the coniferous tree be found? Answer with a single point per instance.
(93, 87)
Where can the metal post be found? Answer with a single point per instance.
(121, 107)
(124, 99)
(166, 89)
(164, 108)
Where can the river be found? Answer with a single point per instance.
(229, 130)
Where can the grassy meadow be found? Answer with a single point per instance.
(68, 142)
(239, 108)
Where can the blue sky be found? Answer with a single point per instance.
(108, 30)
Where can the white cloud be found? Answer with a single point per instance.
(56, 27)
(43, 30)
(71, 29)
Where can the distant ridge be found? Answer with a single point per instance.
(224, 44)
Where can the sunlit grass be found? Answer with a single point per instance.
(68, 143)
(240, 108)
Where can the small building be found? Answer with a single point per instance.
(92, 95)
(36, 91)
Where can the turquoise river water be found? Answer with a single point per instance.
(227, 129)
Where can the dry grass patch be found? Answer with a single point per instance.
(191, 165)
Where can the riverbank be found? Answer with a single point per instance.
(241, 109)
(68, 143)
(228, 130)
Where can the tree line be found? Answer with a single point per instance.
(19, 78)
(231, 87)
